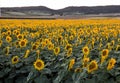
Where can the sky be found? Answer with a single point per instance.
(57, 4)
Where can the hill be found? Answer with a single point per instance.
(72, 10)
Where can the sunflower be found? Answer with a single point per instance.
(85, 51)
(80, 41)
(6, 50)
(1, 43)
(112, 43)
(118, 48)
(43, 45)
(34, 47)
(102, 59)
(60, 38)
(38, 53)
(118, 40)
(93, 42)
(39, 64)
(85, 61)
(22, 43)
(17, 32)
(69, 52)
(72, 62)
(71, 37)
(68, 46)
(3, 34)
(92, 66)
(26, 53)
(105, 53)
(14, 32)
(16, 43)
(56, 50)
(50, 46)
(20, 36)
(100, 45)
(108, 46)
(47, 41)
(37, 43)
(40, 40)
(111, 64)
(8, 32)
(15, 59)
(8, 39)
(77, 70)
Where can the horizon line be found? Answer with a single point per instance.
(59, 8)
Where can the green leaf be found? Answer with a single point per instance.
(1, 81)
(90, 80)
(21, 79)
(118, 79)
(2, 74)
(12, 75)
(60, 76)
(7, 80)
(41, 79)
(18, 65)
(78, 76)
(46, 71)
(69, 81)
(110, 81)
(29, 76)
(6, 70)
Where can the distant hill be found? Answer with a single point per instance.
(72, 10)
(35, 11)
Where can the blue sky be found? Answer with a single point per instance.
(57, 4)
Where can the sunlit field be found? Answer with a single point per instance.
(60, 51)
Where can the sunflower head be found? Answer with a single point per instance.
(14, 32)
(111, 64)
(17, 32)
(26, 53)
(85, 50)
(72, 62)
(47, 41)
(15, 59)
(108, 46)
(50, 46)
(20, 36)
(9, 32)
(22, 43)
(39, 64)
(8, 39)
(77, 70)
(60, 38)
(92, 66)
(56, 50)
(69, 52)
(112, 43)
(34, 47)
(118, 48)
(38, 53)
(6, 50)
(1, 43)
(85, 62)
(71, 37)
(68, 46)
(43, 45)
(105, 53)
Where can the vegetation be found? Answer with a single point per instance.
(60, 51)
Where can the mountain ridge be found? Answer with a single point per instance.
(71, 10)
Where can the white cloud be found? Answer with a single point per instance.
(56, 4)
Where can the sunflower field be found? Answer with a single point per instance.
(60, 51)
